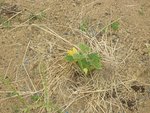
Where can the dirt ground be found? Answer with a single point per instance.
(34, 38)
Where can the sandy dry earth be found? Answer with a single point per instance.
(25, 42)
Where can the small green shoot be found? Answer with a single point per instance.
(115, 26)
(7, 82)
(7, 24)
(39, 16)
(84, 58)
(84, 26)
(35, 97)
(84, 48)
(4, 23)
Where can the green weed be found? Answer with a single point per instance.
(86, 60)
(39, 16)
(84, 26)
(47, 103)
(115, 26)
(35, 97)
(7, 83)
(6, 24)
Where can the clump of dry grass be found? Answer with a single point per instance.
(105, 90)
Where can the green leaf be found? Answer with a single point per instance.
(78, 57)
(69, 58)
(7, 24)
(35, 97)
(83, 64)
(115, 25)
(84, 48)
(94, 60)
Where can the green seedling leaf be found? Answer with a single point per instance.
(94, 60)
(84, 26)
(83, 64)
(69, 58)
(115, 25)
(40, 16)
(84, 48)
(7, 24)
(77, 57)
(35, 97)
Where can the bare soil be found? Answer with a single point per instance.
(29, 42)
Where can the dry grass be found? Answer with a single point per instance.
(64, 86)
(61, 87)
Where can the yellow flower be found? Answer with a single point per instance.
(72, 52)
(85, 70)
